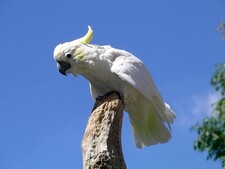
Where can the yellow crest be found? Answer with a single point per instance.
(88, 37)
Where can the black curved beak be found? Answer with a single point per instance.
(63, 67)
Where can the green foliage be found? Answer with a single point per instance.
(218, 79)
(211, 133)
(221, 28)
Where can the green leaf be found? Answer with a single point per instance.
(211, 131)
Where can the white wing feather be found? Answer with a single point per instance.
(132, 70)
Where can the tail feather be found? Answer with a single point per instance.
(169, 113)
(149, 129)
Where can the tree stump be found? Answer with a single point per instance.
(101, 144)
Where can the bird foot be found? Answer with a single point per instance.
(120, 95)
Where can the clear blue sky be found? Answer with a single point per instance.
(43, 114)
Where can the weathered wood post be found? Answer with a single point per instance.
(101, 144)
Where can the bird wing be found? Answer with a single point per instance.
(132, 70)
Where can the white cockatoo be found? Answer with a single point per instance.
(109, 69)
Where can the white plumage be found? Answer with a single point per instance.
(108, 69)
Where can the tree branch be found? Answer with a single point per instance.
(101, 144)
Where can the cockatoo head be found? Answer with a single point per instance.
(70, 54)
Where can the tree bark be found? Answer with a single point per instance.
(101, 144)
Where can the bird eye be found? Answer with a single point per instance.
(68, 55)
